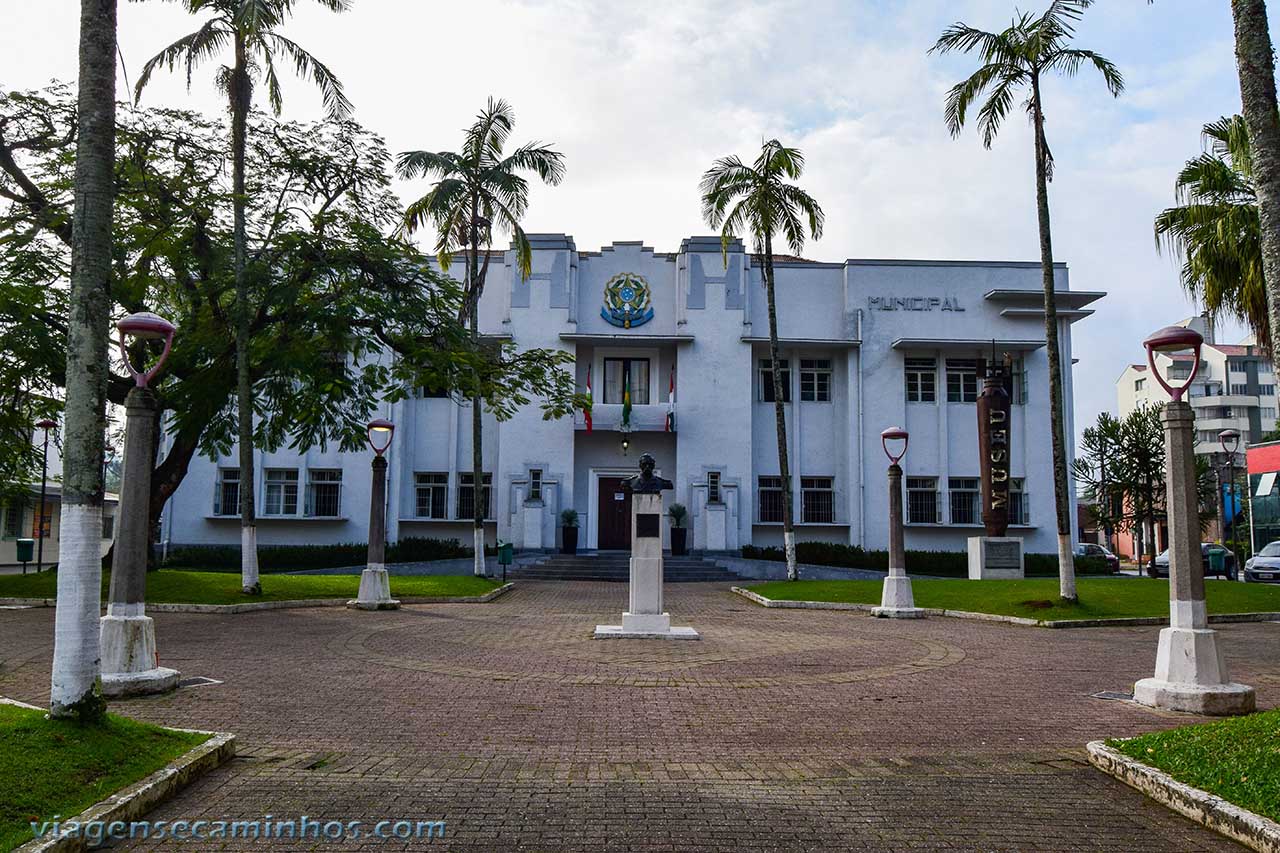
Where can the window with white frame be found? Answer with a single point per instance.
(226, 496)
(922, 380)
(962, 380)
(766, 380)
(535, 484)
(431, 494)
(817, 500)
(1019, 511)
(1266, 390)
(631, 374)
(769, 499)
(1268, 412)
(815, 380)
(324, 494)
(1237, 365)
(467, 495)
(1139, 384)
(1016, 382)
(922, 500)
(13, 515)
(713, 488)
(281, 495)
(966, 500)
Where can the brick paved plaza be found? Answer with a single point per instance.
(781, 730)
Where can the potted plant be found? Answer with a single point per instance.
(569, 531)
(679, 533)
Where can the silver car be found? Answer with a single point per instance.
(1161, 562)
(1264, 566)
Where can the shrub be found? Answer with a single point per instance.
(569, 517)
(954, 564)
(288, 558)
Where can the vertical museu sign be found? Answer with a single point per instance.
(993, 446)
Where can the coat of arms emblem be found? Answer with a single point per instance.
(626, 301)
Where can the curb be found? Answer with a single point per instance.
(994, 617)
(139, 798)
(254, 606)
(1251, 830)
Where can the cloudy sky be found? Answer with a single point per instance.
(641, 97)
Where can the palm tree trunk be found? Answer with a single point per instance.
(74, 690)
(477, 419)
(780, 417)
(244, 384)
(1057, 421)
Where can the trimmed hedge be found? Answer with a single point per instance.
(947, 564)
(288, 558)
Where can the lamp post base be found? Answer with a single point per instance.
(129, 665)
(375, 591)
(896, 601)
(1191, 676)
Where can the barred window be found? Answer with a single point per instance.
(1239, 388)
(817, 500)
(535, 484)
(770, 499)
(922, 500)
(281, 492)
(815, 380)
(324, 494)
(713, 488)
(226, 496)
(1236, 365)
(431, 492)
(766, 380)
(13, 515)
(922, 380)
(966, 500)
(1019, 510)
(466, 495)
(1267, 390)
(962, 380)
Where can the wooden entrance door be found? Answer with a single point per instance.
(614, 532)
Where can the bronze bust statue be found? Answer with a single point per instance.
(645, 483)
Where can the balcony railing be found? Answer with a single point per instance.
(608, 416)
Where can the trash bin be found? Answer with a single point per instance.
(25, 552)
(1217, 561)
(505, 553)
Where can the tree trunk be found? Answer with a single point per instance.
(477, 418)
(1057, 420)
(240, 100)
(74, 691)
(1255, 61)
(780, 417)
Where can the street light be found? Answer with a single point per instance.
(1230, 441)
(129, 660)
(1191, 674)
(45, 425)
(896, 600)
(375, 585)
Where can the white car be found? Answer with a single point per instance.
(1264, 566)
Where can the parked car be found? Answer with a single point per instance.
(1089, 549)
(1228, 564)
(1264, 566)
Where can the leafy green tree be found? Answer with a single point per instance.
(1215, 229)
(479, 191)
(1015, 61)
(347, 314)
(756, 199)
(251, 29)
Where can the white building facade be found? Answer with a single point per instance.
(866, 344)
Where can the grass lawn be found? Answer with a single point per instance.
(1237, 759)
(1037, 598)
(180, 587)
(58, 767)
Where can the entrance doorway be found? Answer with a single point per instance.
(614, 514)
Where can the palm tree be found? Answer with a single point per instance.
(1255, 61)
(1216, 230)
(477, 190)
(1014, 61)
(249, 27)
(75, 690)
(738, 198)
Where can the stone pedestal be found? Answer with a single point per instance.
(645, 618)
(996, 558)
(128, 648)
(375, 586)
(1191, 674)
(896, 600)
(126, 634)
(375, 591)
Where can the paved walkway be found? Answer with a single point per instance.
(781, 730)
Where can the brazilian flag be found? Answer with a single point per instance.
(626, 398)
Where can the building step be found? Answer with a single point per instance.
(616, 568)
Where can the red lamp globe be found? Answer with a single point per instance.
(1230, 440)
(895, 435)
(1173, 339)
(380, 432)
(46, 424)
(145, 326)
